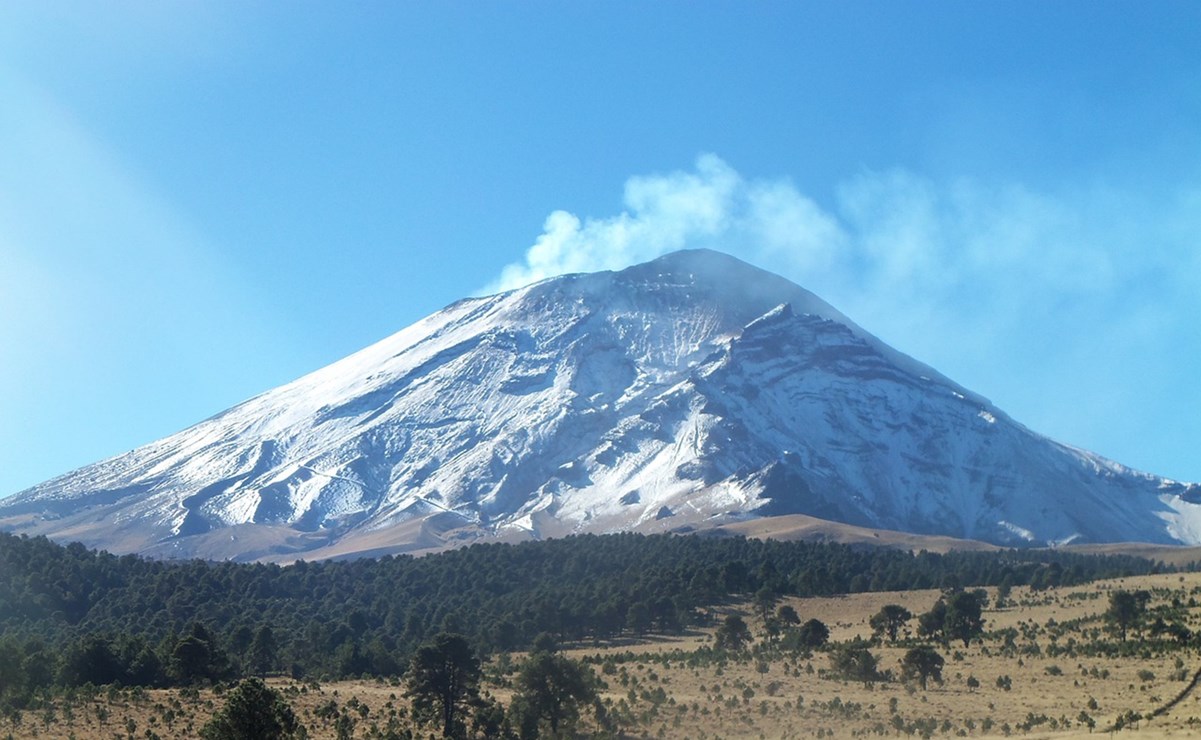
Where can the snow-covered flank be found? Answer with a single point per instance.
(688, 390)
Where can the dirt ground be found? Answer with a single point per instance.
(664, 687)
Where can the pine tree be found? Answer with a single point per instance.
(443, 681)
(254, 711)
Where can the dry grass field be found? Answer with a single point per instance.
(1036, 674)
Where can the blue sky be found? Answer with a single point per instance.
(202, 200)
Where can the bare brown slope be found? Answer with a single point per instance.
(439, 533)
(799, 527)
(1181, 555)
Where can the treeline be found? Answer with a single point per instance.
(70, 616)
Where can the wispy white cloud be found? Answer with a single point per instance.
(894, 237)
(712, 206)
(1085, 290)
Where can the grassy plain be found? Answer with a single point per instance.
(1046, 667)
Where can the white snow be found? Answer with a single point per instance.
(1021, 532)
(685, 379)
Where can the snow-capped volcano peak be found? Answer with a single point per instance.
(676, 393)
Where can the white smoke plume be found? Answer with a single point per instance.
(1088, 289)
(710, 207)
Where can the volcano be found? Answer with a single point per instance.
(676, 395)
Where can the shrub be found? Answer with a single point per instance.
(253, 711)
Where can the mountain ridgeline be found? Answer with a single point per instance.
(676, 395)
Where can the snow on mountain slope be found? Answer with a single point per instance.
(672, 395)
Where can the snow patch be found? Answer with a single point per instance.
(1021, 532)
(1183, 519)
